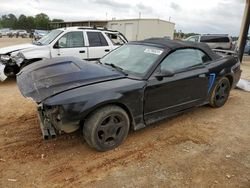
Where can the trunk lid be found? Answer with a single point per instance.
(46, 78)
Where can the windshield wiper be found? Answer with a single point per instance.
(116, 67)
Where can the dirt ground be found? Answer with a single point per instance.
(203, 148)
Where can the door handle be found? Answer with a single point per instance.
(107, 50)
(82, 51)
(202, 75)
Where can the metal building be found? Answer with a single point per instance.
(139, 29)
(133, 29)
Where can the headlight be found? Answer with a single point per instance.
(17, 58)
(5, 58)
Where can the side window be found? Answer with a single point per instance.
(115, 38)
(204, 57)
(71, 40)
(182, 59)
(194, 39)
(214, 39)
(96, 39)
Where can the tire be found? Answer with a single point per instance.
(106, 128)
(220, 93)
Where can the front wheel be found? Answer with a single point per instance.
(220, 93)
(106, 128)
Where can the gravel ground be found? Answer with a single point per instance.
(203, 148)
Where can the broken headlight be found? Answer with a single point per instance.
(4, 58)
(18, 58)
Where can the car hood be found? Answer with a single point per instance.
(49, 77)
(15, 48)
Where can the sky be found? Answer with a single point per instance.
(199, 16)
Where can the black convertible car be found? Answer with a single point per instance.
(131, 87)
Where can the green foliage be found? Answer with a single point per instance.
(9, 20)
(30, 23)
(40, 21)
(57, 20)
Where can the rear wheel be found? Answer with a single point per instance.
(106, 128)
(220, 93)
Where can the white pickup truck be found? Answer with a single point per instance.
(84, 43)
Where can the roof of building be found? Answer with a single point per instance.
(143, 19)
(114, 20)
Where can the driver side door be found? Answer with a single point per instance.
(187, 87)
(71, 44)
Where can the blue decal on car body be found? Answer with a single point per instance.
(211, 81)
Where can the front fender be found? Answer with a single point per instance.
(79, 102)
(37, 52)
(30, 55)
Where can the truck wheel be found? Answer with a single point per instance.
(220, 93)
(106, 128)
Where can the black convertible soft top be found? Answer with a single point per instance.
(178, 44)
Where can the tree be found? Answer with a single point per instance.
(9, 21)
(30, 23)
(57, 20)
(22, 22)
(42, 21)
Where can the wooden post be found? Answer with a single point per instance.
(244, 30)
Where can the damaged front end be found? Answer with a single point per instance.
(53, 120)
(49, 83)
(5, 65)
(10, 65)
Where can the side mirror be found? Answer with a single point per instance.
(56, 45)
(164, 73)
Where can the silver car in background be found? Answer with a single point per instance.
(214, 41)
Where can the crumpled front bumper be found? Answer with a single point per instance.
(2, 75)
(53, 121)
(46, 126)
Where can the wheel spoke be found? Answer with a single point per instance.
(112, 120)
(105, 130)
(110, 129)
(116, 131)
(221, 92)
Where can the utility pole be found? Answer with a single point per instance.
(244, 30)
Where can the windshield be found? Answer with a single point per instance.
(132, 58)
(47, 39)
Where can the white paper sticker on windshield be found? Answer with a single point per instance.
(153, 51)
